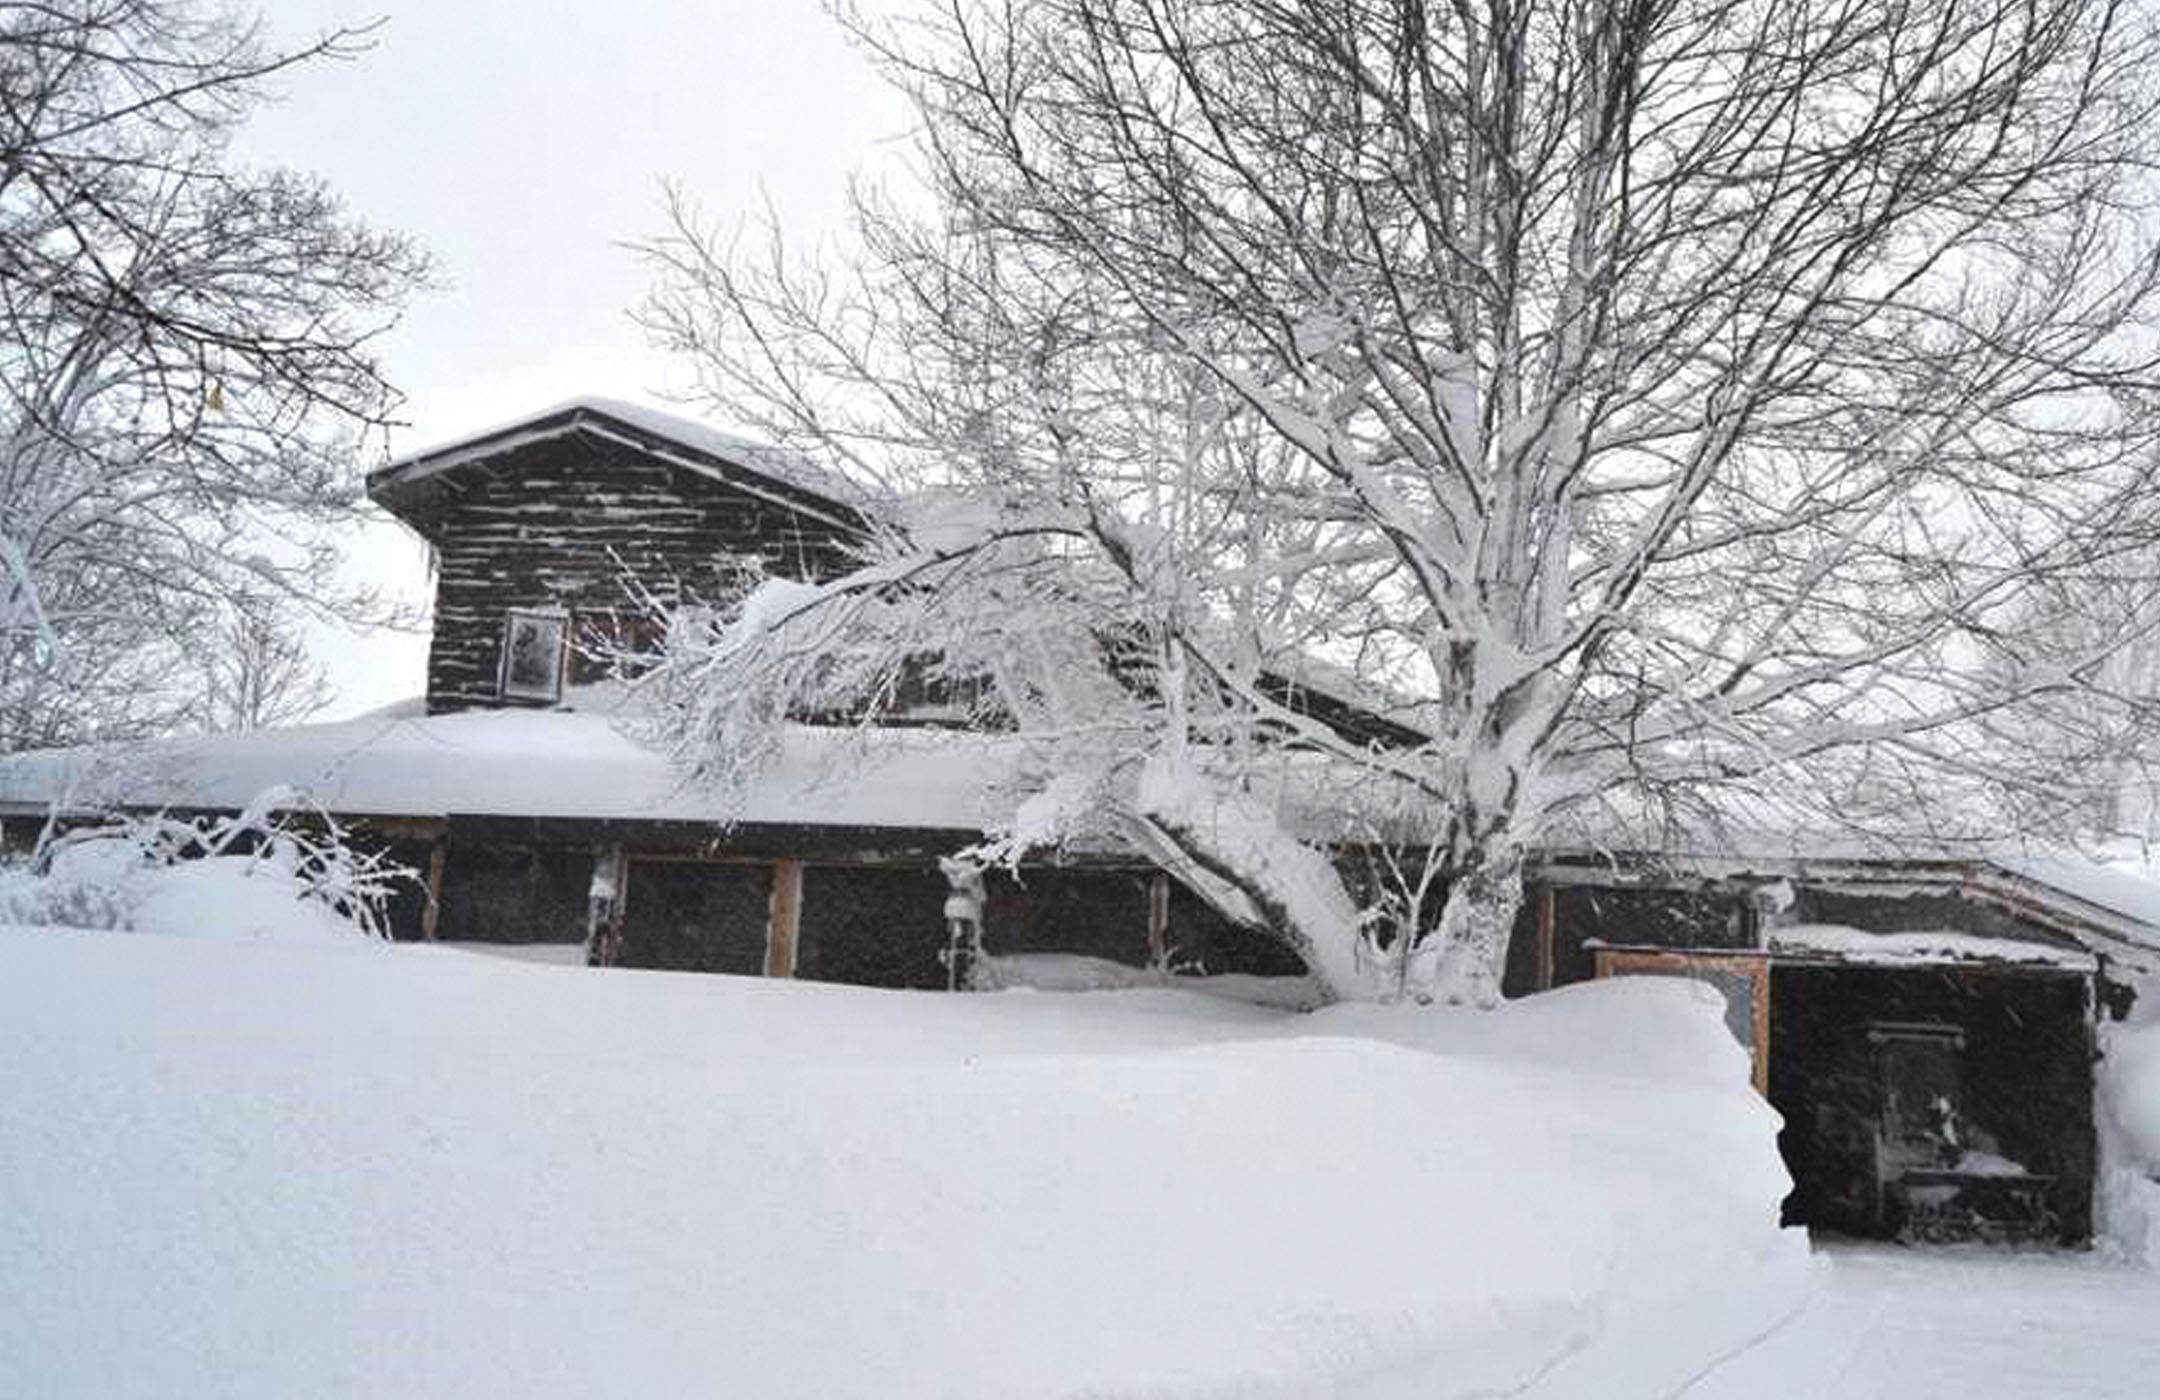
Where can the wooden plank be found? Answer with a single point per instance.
(1158, 918)
(784, 921)
(699, 858)
(398, 828)
(1762, 1029)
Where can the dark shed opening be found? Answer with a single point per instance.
(1934, 1104)
(695, 916)
(514, 894)
(873, 926)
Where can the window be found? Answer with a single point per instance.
(534, 643)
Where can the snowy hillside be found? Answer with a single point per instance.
(254, 1167)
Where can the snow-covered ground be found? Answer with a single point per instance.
(1961, 1324)
(242, 1166)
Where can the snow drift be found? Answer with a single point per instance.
(291, 1168)
(2128, 1082)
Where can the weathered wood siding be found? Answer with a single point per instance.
(873, 926)
(561, 522)
(696, 916)
(1099, 913)
(1700, 918)
(514, 894)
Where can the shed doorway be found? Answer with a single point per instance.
(1934, 1104)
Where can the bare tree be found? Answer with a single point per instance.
(256, 673)
(1682, 401)
(185, 380)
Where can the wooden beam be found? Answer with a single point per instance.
(1762, 1028)
(1158, 918)
(604, 920)
(783, 918)
(400, 828)
(431, 916)
(1546, 959)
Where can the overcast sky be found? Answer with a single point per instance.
(522, 141)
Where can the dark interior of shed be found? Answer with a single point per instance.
(1934, 1104)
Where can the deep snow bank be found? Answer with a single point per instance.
(2130, 1079)
(244, 1167)
(2129, 1125)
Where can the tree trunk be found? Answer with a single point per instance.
(1234, 853)
(1461, 962)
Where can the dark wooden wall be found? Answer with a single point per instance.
(696, 916)
(1699, 918)
(556, 523)
(873, 926)
(1098, 913)
(514, 894)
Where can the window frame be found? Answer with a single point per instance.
(551, 619)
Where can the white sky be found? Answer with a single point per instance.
(522, 141)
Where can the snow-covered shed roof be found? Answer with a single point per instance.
(410, 486)
(2097, 903)
(1839, 943)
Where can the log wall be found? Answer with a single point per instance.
(563, 522)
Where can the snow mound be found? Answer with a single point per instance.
(2128, 1094)
(2130, 1078)
(234, 896)
(1670, 1029)
(1077, 972)
(157, 875)
(272, 1169)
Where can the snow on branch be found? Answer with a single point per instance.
(1661, 439)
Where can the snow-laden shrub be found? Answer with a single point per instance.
(260, 872)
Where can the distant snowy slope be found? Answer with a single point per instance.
(245, 1168)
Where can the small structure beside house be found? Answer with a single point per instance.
(1926, 1026)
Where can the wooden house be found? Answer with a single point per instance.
(1926, 1027)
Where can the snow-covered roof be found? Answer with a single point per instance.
(1839, 943)
(2104, 905)
(526, 763)
(581, 764)
(741, 462)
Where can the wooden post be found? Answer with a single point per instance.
(604, 914)
(1762, 1027)
(783, 918)
(431, 916)
(1158, 918)
(1546, 959)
